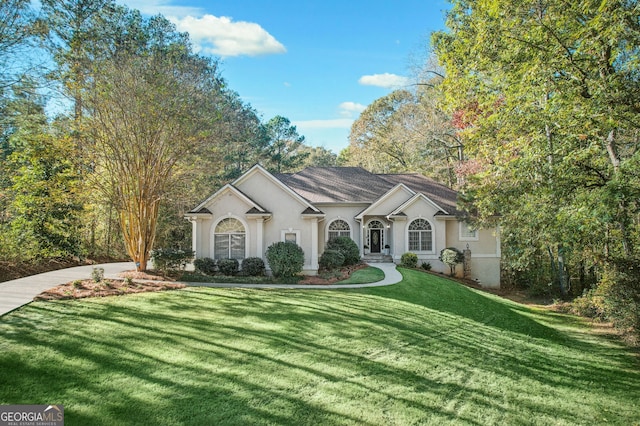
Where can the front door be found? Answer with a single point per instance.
(376, 240)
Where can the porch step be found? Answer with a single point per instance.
(377, 258)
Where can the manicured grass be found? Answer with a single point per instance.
(369, 274)
(426, 351)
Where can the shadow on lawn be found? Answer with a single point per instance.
(126, 384)
(232, 356)
(484, 315)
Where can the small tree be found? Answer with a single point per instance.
(451, 256)
(285, 258)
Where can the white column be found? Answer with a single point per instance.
(259, 238)
(194, 234)
(314, 243)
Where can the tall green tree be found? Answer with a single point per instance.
(319, 157)
(77, 36)
(546, 97)
(405, 131)
(283, 153)
(42, 218)
(18, 28)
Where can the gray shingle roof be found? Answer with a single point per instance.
(355, 184)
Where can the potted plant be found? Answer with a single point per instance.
(366, 249)
(386, 249)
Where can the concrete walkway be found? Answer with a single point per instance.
(391, 276)
(16, 293)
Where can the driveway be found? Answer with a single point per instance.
(16, 293)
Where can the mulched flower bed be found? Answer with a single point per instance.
(89, 288)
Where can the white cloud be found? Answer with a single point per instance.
(221, 36)
(347, 109)
(338, 123)
(386, 80)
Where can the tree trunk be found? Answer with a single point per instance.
(613, 151)
(563, 277)
(139, 222)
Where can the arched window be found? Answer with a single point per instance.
(229, 239)
(375, 224)
(339, 228)
(420, 236)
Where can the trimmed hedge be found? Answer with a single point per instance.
(228, 267)
(205, 265)
(170, 259)
(253, 267)
(285, 258)
(331, 259)
(409, 260)
(347, 247)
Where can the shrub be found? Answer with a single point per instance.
(426, 266)
(228, 267)
(347, 247)
(451, 256)
(409, 260)
(285, 258)
(97, 274)
(205, 265)
(618, 294)
(253, 267)
(170, 259)
(331, 259)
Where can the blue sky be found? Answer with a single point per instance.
(318, 63)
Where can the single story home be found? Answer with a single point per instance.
(385, 214)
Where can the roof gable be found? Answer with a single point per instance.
(229, 188)
(258, 169)
(439, 195)
(399, 188)
(399, 211)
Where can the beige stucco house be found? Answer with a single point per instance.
(385, 214)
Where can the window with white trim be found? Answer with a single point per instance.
(420, 235)
(291, 237)
(229, 239)
(467, 232)
(339, 228)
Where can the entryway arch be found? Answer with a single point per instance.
(375, 235)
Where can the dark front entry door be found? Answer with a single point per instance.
(376, 240)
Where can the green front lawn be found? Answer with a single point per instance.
(426, 351)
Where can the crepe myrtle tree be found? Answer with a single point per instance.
(149, 112)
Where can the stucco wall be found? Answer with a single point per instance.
(485, 253)
(287, 215)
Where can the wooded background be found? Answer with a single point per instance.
(111, 127)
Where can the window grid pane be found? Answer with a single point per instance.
(414, 241)
(221, 246)
(237, 246)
